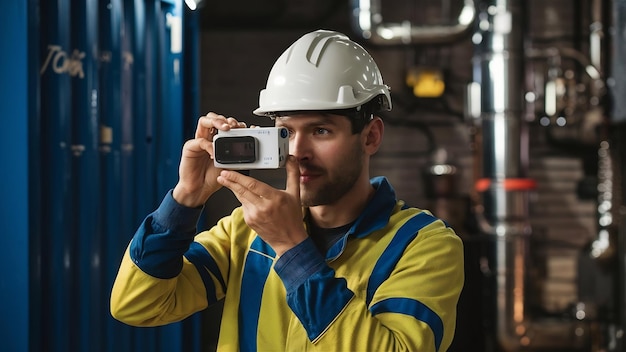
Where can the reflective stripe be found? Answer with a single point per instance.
(415, 309)
(385, 265)
(256, 269)
(394, 250)
(200, 257)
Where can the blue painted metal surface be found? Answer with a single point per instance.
(85, 241)
(169, 126)
(192, 334)
(105, 127)
(14, 156)
(58, 238)
(111, 62)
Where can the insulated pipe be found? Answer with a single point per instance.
(368, 21)
(496, 105)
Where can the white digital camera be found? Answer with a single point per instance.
(251, 148)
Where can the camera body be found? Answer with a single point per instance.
(251, 148)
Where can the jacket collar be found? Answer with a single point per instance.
(374, 217)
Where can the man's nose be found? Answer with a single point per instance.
(299, 147)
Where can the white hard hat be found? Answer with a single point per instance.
(323, 70)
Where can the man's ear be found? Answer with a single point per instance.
(373, 133)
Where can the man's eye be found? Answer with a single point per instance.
(321, 131)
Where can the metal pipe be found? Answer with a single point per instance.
(496, 105)
(618, 69)
(596, 35)
(368, 21)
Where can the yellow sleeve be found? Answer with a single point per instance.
(139, 299)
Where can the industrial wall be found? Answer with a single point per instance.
(568, 287)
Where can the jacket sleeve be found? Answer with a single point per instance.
(411, 306)
(155, 284)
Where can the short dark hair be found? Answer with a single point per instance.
(363, 114)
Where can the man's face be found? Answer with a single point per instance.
(330, 156)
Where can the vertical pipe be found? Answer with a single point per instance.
(617, 84)
(191, 73)
(113, 237)
(169, 122)
(86, 156)
(85, 179)
(502, 187)
(57, 250)
(192, 334)
(169, 16)
(144, 200)
(144, 174)
(127, 101)
(147, 192)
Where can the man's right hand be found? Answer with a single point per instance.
(197, 174)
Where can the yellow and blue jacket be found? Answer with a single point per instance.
(391, 283)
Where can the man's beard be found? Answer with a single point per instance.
(338, 184)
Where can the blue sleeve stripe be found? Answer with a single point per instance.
(256, 270)
(200, 257)
(260, 246)
(415, 309)
(393, 252)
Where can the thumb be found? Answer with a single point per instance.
(293, 176)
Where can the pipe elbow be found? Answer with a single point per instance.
(367, 20)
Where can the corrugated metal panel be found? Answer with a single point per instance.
(109, 149)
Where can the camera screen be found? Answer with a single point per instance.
(235, 150)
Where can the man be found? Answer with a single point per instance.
(334, 262)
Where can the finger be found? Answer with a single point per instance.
(209, 124)
(198, 145)
(245, 188)
(213, 120)
(293, 176)
(233, 123)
